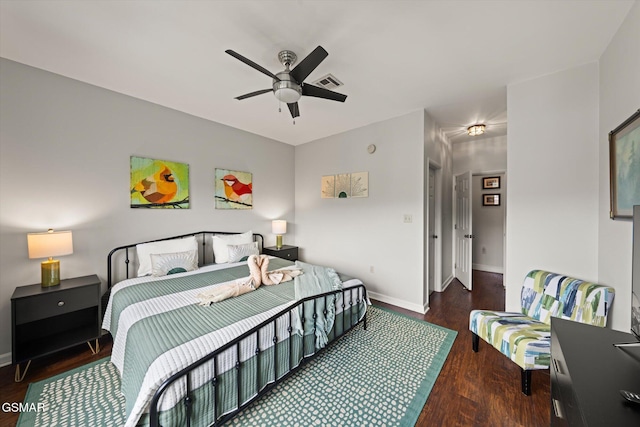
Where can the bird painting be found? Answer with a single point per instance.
(160, 187)
(154, 184)
(234, 190)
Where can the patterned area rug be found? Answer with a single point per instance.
(381, 376)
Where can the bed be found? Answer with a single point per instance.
(182, 363)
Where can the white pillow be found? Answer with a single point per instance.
(222, 241)
(179, 262)
(165, 247)
(237, 252)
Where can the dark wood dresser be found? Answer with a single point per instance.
(587, 374)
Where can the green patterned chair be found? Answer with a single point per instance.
(525, 337)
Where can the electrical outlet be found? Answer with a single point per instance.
(408, 218)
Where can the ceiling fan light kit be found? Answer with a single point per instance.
(288, 85)
(475, 130)
(287, 94)
(286, 90)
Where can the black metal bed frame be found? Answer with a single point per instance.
(350, 316)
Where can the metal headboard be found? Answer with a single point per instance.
(202, 254)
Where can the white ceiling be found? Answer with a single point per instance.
(453, 58)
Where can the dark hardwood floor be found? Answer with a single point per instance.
(480, 389)
(473, 389)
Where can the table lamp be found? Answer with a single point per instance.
(279, 227)
(47, 245)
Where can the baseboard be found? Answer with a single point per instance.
(5, 359)
(418, 308)
(488, 268)
(425, 308)
(446, 283)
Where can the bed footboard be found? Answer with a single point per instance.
(278, 349)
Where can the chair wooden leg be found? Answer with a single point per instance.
(475, 339)
(526, 382)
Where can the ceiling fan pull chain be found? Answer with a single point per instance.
(279, 106)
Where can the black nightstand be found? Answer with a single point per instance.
(46, 320)
(286, 252)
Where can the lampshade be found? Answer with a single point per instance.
(279, 226)
(50, 244)
(475, 130)
(47, 245)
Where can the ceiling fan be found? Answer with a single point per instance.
(288, 85)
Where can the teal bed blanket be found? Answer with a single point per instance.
(158, 329)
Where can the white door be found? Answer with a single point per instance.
(463, 229)
(432, 230)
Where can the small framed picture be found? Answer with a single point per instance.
(490, 182)
(490, 200)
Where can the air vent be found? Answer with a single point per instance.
(328, 82)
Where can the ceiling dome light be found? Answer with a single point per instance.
(475, 130)
(285, 89)
(287, 94)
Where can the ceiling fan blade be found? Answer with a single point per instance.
(308, 64)
(252, 64)
(319, 92)
(295, 111)
(249, 95)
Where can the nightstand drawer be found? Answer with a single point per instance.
(290, 254)
(285, 252)
(55, 303)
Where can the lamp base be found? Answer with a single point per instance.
(50, 273)
(278, 242)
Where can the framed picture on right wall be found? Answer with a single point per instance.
(624, 170)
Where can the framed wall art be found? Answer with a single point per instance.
(328, 187)
(624, 170)
(490, 182)
(159, 184)
(491, 200)
(345, 185)
(234, 189)
(360, 184)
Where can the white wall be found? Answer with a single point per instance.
(353, 235)
(619, 98)
(480, 155)
(555, 113)
(553, 168)
(64, 163)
